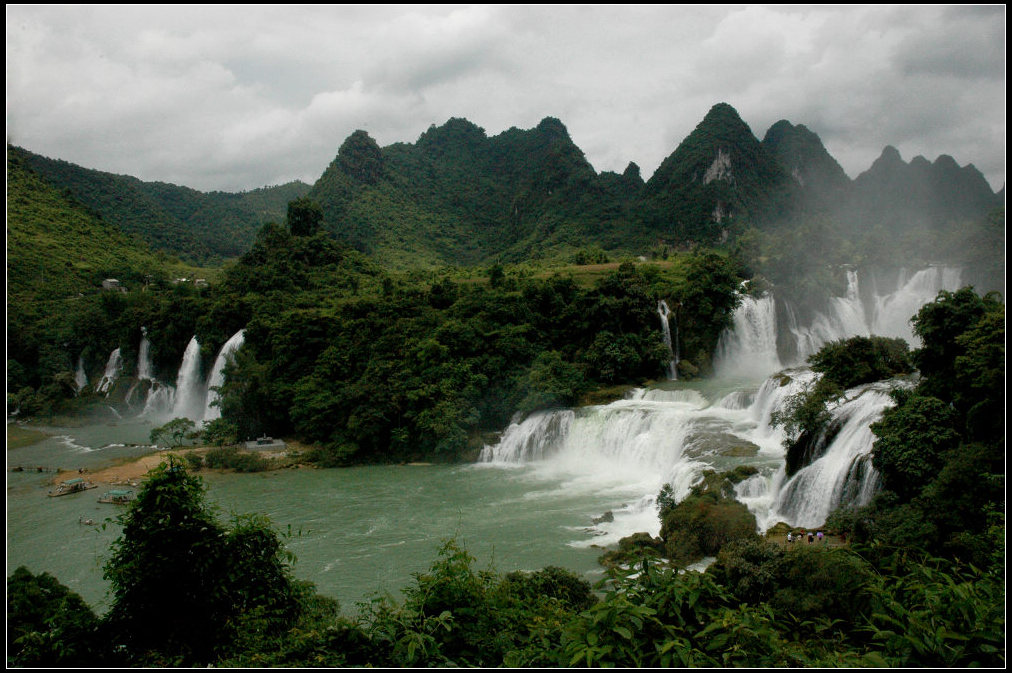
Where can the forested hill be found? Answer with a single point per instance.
(203, 228)
(458, 196)
(58, 248)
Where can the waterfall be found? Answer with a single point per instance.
(80, 378)
(665, 313)
(671, 436)
(749, 348)
(636, 445)
(842, 475)
(144, 357)
(159, 403)
(160, 398)
(892, 312)
(217, 376)
(189, 398)
(113, 367)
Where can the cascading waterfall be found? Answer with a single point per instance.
(665, 313)
(217, 375)
(189, 398)
(841, 476)
(113, 367)
(161, 397)
(748, 349)
(80, 377)
(144, 357)
(892, 312)
(670, 436)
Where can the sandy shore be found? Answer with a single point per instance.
(131, 472)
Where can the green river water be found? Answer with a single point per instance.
(354, 531)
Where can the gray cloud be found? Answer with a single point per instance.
(216, 98)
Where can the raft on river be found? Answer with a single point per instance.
(116, 497)
(72, 486)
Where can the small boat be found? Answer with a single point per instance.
(72, 486)
(117, 497)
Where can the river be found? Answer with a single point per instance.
(354, 531)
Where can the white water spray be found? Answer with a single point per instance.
(113, 367)
(217, 375)
(665, 313)
(80, 377)
(189, 398)
(636, 445)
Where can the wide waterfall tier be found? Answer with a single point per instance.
(768, 333)
(662, 436)
(217, 376)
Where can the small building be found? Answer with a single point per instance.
(266, 444)
(113, 284)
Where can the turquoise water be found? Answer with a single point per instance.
(354, 531)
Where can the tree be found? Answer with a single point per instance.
(304, 217)
(165, 572)
(174, 431)
(48, 625)
(186, 589)
(912, 441)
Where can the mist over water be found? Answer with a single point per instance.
(672, 435)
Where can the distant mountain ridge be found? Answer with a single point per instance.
(458, 196)
(201, 227)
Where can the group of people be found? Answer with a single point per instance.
(812, 536)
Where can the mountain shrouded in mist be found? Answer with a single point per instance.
(457, 196)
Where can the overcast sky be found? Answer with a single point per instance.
(237, 97)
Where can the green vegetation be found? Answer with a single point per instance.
(185, 589)
(174, 432)
(842, 365)
(371, 366)
(59, 253)
(940, 451)
(418, 296)
(203, 228)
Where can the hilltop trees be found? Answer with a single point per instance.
(304, 217)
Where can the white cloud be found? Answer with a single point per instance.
(217, 98)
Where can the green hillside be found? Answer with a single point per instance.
(58, 248)
(58, 254)
(204, 228)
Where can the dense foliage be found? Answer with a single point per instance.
(941, 449)
(184, 587)
(59, 253)
(370, 366)
(201, 227)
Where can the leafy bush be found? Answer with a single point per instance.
(48, 625)
(183, 586)
(231, 458)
